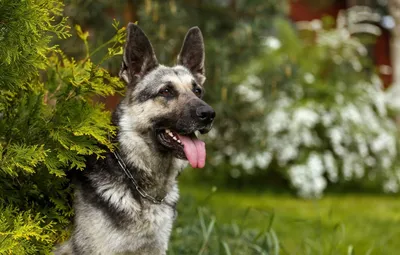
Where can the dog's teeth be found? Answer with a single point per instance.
(169, 132)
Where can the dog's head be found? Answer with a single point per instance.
(166, 103)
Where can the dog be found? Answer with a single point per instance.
(125, 203)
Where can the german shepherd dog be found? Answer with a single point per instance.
(125, 203)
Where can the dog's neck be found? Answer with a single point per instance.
(155, 172)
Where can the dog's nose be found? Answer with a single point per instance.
(205, 113)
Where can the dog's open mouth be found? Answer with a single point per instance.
(186, 146)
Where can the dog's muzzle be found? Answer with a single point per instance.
(180, 137)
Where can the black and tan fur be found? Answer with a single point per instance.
(111, 216)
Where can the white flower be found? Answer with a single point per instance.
(381, 142)
(359, 170)
(277, 121)
(316, 24)
(248, 93)
(284, 101)
(370, 161)
(335, 134)
(391, 186)
(213, 134)
(331, 167)
(356, 65)
(240, 157)
(248, 165)
(370, 118)
(229, 150)
(347, 166)
(309, 179)
(315, 164)
(328, 118)
(307, 138)
(361, 145)
(288, 153)
(263, 159)
(305, 117)
(380, 102)
(272, 43)
(351, 113)
(392, 95)
(309, 78)
(386, 162)
(297, 175)
(388, 22)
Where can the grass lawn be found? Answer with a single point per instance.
(336, 224)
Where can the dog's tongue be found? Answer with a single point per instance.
(195, 150)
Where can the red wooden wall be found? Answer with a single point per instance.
(300, 10)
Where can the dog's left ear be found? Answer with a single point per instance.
(192, 54)
(139, 57)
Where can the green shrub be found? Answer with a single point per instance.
(49, 121)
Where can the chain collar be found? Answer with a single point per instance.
(142, 193)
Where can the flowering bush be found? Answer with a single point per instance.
(314, 111)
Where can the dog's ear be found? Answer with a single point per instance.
(139, 57)
(192, 54)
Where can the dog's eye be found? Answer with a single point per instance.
(197, 91)
(166, 92)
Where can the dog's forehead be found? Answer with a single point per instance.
(178, 76)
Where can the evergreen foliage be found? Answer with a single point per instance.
(24, 51)
(49, 121)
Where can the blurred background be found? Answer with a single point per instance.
(304, 155)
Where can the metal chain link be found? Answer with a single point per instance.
(139, 189)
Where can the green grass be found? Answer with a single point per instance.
(335, 224)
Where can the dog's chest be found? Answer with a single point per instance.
(146, 226)
(154, 217)
(155, 222)
(150, 229)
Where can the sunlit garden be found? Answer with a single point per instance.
(304, 153)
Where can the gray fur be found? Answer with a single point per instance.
(111, 216)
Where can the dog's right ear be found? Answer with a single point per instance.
(139, 57)
(192, 54)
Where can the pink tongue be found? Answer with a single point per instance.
(195, 151)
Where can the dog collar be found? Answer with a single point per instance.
(142, 193)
